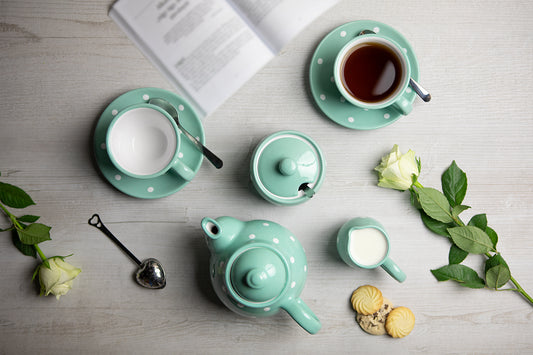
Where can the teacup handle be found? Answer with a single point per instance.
(392, 269)
(182, 170)
(303, 315)
(403, 105)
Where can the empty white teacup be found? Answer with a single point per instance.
(143, 142)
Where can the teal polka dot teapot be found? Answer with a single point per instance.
(258, 268)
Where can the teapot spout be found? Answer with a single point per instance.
(221, 232)
(211, 228)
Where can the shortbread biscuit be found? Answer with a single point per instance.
(375, 323)
(400, 322)
(367, 300)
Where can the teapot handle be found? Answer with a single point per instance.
(303, 315)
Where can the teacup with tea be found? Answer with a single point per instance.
(373, 72)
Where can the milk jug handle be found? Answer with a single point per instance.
(393, 270)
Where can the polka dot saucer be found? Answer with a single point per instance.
(325, 92)
(165, 184)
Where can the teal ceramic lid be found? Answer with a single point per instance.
(287, 168)
(257, 275)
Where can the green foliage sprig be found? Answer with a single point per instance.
(26, 232)
(440, 213)
(54, 274)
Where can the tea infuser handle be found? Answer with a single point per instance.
(303, 315)
(95, 221)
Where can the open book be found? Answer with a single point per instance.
(209, 48)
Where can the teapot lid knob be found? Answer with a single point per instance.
(256, 278)
(257, 274)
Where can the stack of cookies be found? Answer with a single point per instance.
(377, 316)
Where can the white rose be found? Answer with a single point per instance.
(396, 169)
(57, 279)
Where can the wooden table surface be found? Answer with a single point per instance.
(62, 62)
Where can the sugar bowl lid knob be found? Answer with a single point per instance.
(287, 166)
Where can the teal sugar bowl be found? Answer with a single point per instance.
(287, 168)
(258, 268)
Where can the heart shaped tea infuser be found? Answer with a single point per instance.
(150, 273)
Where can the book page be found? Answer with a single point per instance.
(278, 21)
(202, 46)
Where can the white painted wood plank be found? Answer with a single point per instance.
(61, 63)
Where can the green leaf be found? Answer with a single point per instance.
(436, 226)
(456, 210)
(28, 218)
(13, 196)
(456, 255)
(492, 235)
(497, 271)
(25, 249)
(479, 220)
(454, 184)
(466, 276)
(435, 204)
(471, 239)
(34, 233)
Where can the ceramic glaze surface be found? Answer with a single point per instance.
(324, 90)
(287, 168)
(258, 274)
(393, 99)
(257, 268)
(362, 242)
(164, 184)
(142, 141)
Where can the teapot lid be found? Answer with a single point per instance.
(257, 274)
(287, 168)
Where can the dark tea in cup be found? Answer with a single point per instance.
(371, 72)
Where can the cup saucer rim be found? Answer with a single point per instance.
(154, 187)
(324, 91)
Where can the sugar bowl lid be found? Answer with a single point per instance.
(287, 168)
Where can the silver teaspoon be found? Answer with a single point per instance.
(167, 106)
(423, 93)
(150, 273)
